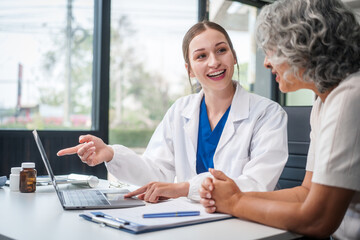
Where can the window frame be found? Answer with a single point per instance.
(18, 145)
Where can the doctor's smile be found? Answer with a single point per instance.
(218, 75)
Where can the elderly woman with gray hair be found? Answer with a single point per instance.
(309, 44)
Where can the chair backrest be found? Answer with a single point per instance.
(298, 142)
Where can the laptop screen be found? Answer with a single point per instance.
(46, 161)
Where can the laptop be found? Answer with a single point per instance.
(87, 198)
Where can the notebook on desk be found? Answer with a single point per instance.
(86, 198)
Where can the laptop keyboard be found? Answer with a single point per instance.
(84, 198)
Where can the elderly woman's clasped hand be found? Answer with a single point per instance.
(219, 193)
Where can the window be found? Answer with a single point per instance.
(301, 97)
(46, 64)
(59, 52)
(147, 71)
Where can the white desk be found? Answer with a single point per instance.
(39, 216)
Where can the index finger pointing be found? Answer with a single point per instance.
(68, 151)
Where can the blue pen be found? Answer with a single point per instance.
(172, 214)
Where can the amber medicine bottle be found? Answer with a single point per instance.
(27, 177)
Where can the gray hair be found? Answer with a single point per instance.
(320, 36)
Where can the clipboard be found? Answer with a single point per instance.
(131, 219)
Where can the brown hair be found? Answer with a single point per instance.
(196, 30)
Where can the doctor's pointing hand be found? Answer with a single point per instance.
(91, 150)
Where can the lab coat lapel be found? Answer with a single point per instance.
(239, 110)
(191, 127)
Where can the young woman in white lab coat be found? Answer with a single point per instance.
(222, 126)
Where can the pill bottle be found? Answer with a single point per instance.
(27, 177)
(15, 179)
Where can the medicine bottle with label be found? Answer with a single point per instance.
(15, 179)
(27, 177)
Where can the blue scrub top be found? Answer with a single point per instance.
(207, 139)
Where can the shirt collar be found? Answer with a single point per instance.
(239, 107)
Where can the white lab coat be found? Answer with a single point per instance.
(252, 149)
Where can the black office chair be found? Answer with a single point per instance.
(298, 142)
